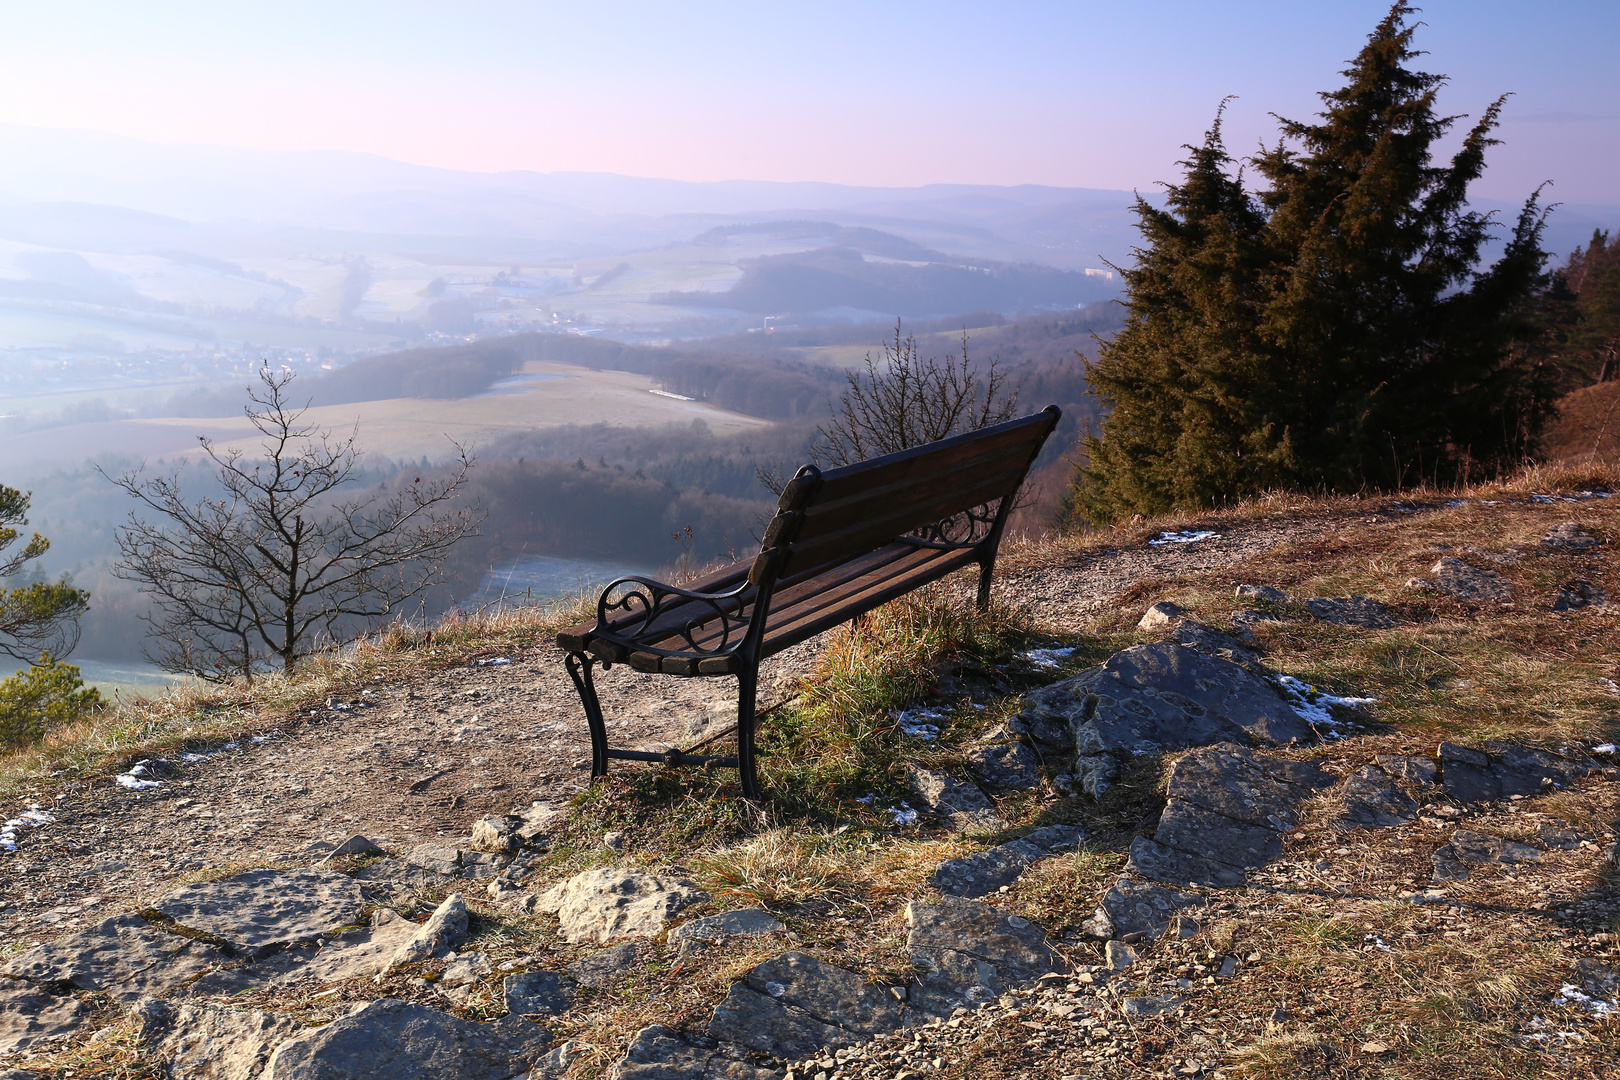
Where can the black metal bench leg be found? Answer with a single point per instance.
(986, 568)
(747, 685)
(579, 669)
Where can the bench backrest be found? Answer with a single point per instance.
(828, 518)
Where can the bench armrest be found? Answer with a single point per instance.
(642, 602)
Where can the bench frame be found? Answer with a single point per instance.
(719, 625)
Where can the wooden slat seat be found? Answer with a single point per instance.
(842, 542)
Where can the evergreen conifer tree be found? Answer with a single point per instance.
(1333, 331)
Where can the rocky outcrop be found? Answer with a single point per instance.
(660, 1053)
(1226, 811)
(1373, 800)
(263, 910)
(794, 1004)
(202, 1043)
(602, 904)
(125, 957)
(967, 953)
(29, 1018)
(1153, 698)
(1502, 770)
(1452, 576)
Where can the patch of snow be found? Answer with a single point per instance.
(1596, 1006)
(904, 815)
(915, 722)
(1610, 685)
(1606, 748)
(1047, 658)
(1186, 536)
(195, 757)
(340, 707)
(1317, 707)
(499, 661)
(135, 783)
(1375, 940)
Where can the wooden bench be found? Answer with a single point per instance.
(842, 543)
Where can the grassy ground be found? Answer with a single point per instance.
(1342, 975)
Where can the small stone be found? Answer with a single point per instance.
(1263, 593)
(1151, 1004)
(1161, 614)
(601, 968)
(613, 841)
(497, 835)
(357, 846)
(466, 970)
(1374, 1048)
(1184, 927)
(442, 931)
(740, 923)
(543, 993)
(1119, 956)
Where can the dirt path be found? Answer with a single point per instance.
(413, 762)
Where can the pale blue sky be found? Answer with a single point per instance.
(1080, 93)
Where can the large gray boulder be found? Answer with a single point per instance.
(396, 1040)
(263, 910)
(967, 953)
(794, 1005)
(602, 904)
(1226, 810)
(124, 956)
(1158, 697)
(203, 1043)
(659, 1053)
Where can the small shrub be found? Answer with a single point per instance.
(47, 695)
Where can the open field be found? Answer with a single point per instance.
(403, 428)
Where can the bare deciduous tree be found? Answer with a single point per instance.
(282, 558)
(905, 400)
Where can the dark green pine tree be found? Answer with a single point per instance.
(1337, 330)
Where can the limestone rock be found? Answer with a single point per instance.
(396, 1040)
(793, 1005)
(466, 970)
(599, 969)
(1096, 773)
(1261, 592)
(1568, 538)
(1008, 765)
(498, 835)
(263, 910)
(202, 1043)
(1215, 643)
(1352, 611)
(1455, 577)
(355, 845)
(1575, 595)
(124, 956)
(1138, 907)
(1119, 955)
(602, 904)
(1226, 811)
(658, 1053)
(28, 1018)
(1161, 614)
(1372, 800)
(1151, 1004)
(1473, 775)
(968, 953)
(543, 993)
(985, 872)
(1481, 848)
(439, 858)
(959, 805)
(442, 931)
(740, 923)
(1418, 770)
(1164, 696)
(359, 953)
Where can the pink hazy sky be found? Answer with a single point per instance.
(1073, 94)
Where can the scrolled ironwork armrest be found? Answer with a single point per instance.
(645, 600)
